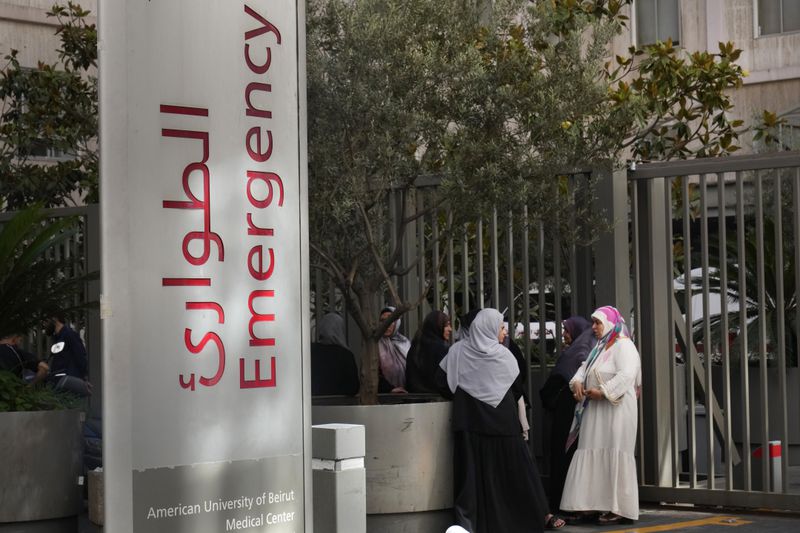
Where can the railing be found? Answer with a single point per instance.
(81, 253)
(716, 264)
(506, 261)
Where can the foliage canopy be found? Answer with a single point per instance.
(51, 110)
(494, 101)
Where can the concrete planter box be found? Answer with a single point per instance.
(409, 462)
(41, 465)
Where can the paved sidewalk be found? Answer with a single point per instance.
(659, 519)
(656, 519)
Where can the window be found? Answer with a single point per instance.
(778, 16)
(41, 149)
(657, 20)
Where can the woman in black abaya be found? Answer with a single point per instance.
(557, 399)
(428, 348)
(496, 483)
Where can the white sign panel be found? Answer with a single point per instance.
(203, 195)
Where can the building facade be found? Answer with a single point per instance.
(767, 32)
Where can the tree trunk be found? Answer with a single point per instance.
(368, 395)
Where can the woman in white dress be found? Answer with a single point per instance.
(602, 474)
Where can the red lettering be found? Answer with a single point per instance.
(186, 384)
(258, 69)
(184, 110)
(266, 26)
(267, 178)
(255, 318)
(257, 271)
(258, 381)
(197, 348)
(251, 110)
(252, 229)
(188, 134)
(207, 306)
(256, 154)
(185, 282)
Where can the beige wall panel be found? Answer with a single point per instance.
(35, 42)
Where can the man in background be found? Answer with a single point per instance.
(68, 354)
(20, 362)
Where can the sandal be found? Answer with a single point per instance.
(578, 518)
(554, 522)
(608, 519)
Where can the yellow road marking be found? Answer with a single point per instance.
(712, 521)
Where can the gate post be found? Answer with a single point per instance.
(654, 332)
(612, 271)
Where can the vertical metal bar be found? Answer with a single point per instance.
(744, 355)
(688, 334)
(707, 348)
(437, 292)
(510, 278)
(465, 270)
(573, 254)
(762, 329)
(393, 225)
(495, 264)
(526, 296)
(542, 302)
(421, 255)
(783, 430)
(317, 300)
(557, 287)
(638, 318)
(479, 268)
(673, 381)
(796, 224)
(724, 328)
(451, 278)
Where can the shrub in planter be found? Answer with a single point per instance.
(16, 395)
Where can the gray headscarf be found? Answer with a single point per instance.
(392, 352)
(480, 365)
(331, 330)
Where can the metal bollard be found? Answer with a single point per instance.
(340, 493)
(774, 459)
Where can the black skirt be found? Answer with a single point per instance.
(497, 485)
(562, 415)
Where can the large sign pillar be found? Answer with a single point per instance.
(204, 266)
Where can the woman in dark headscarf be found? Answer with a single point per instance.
(392, 351)
(557, 398)
(429, 346)
(496, 483)
(333, 366)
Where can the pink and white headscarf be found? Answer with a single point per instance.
(614, 327)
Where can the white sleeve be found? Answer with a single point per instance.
(627, 362)
(579, 376)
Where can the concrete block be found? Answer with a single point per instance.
(340, 501)
(96, 497)
(337, 441)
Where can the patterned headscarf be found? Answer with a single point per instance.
(392, 351)
(614, 327)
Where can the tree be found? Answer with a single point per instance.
(32, 281)
(51, 109)
(493, 99)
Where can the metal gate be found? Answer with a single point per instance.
(704, 257)
(715, 263)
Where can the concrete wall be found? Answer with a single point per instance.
(24, 26)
